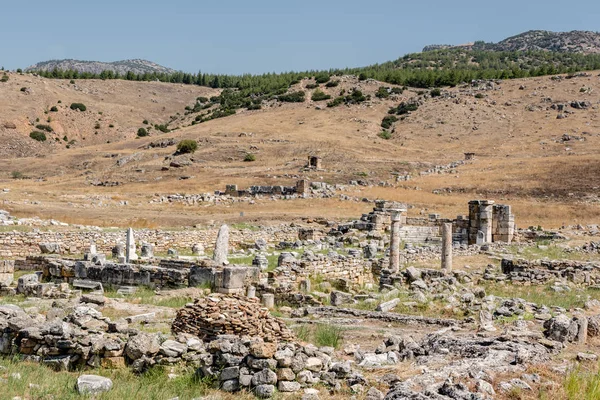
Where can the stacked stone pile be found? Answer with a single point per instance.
(234, 314)
(249, 363)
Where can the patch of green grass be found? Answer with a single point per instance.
(544, 295)
(328, 335)
(154, 384)
(173, 302)
(303, 332)
(582, 385)
(247, 226)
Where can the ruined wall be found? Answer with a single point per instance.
(539, 272)
(356, 271)
(21, 244)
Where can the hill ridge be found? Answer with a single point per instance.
(134, 65)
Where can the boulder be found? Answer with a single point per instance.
(93, 384)
(561, 328)
(142, 344)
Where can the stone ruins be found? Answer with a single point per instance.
(242, 306)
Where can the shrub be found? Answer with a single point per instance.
(323, 78)
(54, 109)
(479, 96)
(142, 132)
(72, 82)
(202, 99)
(187, 146)
(16, 175)
(163, 128)
(46, 128)
(397, 90)
(39, 136)
(97, 126)
(4, 78)
(254, 106)
(111, 126)
(312, 85)
(60, 101)
(332, 83)
(362, 76)
(382, 92)
(388, 120)
(319, 96)
(435, 92)
(19, 71)
(23, 89)
(403, 108)
(145, 122)
(250, 157)
(385, 135)
(78, 106)
(294, 97)
(336, 102)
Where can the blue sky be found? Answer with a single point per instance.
(258, 36)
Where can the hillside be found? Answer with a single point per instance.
(135, 66)
(583, 42)
(535, 141)
(115, 110)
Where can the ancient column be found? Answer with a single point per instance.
(447, 246)
(268, 300)
(395, 240)
(486, 209)
(222, 245)
(251, 292)
(130, 247)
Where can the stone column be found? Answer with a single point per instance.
(130, 247)
(222, 246)
(447, 246)
(485, 220)
(251, 292)
(395, 240)
(582, 331)
(268, 300)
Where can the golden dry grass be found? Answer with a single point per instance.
(519, 158)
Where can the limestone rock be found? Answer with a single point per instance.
(93, 384)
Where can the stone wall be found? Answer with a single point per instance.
(539, 272)
(21, 244)
(355, 270)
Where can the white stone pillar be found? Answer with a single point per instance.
(447, 247)
(395, 240)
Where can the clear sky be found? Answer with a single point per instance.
(255, 36)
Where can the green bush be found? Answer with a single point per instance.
(479, 96)
(163, 128)
(312, 85)
(397, 90)
(78, 106)
(332, 83)
(54, 109)
(382, 92)
(16, 175)
(145, 122)
(97, 126)
(111, 126)
(435, 92)
(254, 106)
(187, 146)
(250, 157)
(72, 82)
(19, 71)
(385, 135)
(39, 136)
(388, 121)
(404, 108)
(46, 128)
(23, 89)
(202, 99)
(336, 102)
(294, 97)
(322, 78)
(4, 78)
(142, 132)
(362, 76)
(319, 96)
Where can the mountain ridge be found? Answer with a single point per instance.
(585, 42)
(136, 66)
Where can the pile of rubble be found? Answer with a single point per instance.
(245, 362)
(224, 315)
